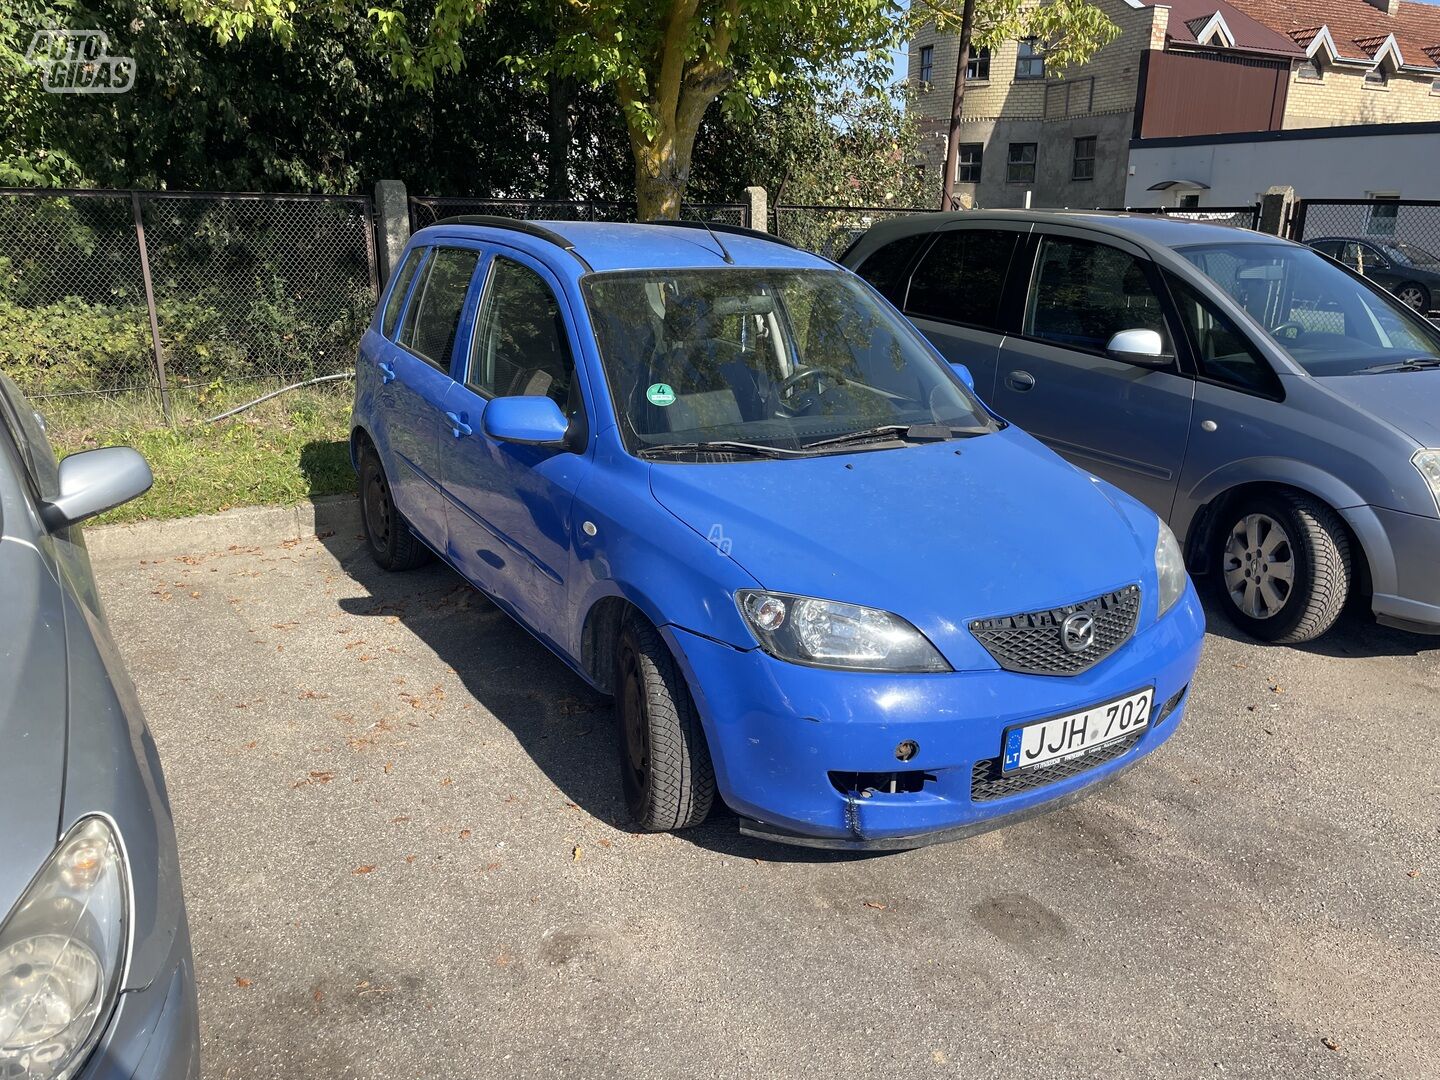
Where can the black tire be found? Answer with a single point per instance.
(665, 767)
(1414, 296)
(1312, 546)
(392, 544)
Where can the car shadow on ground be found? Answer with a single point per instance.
(1356, 635)
(565, 727)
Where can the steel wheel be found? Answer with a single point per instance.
(1259, 566)
(379, 510)
(1413, 296)
(392, 544)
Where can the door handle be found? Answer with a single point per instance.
(458, 425)
(387, 372)
(1020, 381)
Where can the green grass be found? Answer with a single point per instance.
(282, 452)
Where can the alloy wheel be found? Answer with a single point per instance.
(1259, 566)
(1412, 297)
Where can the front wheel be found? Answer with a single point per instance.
(665, 767)
(1284, 567)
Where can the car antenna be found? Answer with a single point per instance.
(725, 254)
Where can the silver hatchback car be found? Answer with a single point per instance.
(96, 977)
(1279, 410)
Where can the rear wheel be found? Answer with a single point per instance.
(665, 767)
(1414, 295)
(1284, 567)
(392, 544)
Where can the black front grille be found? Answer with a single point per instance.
(1030, 643)
(987, 782)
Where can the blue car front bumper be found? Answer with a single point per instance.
(783, 737)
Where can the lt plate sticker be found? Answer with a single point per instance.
(660, 394)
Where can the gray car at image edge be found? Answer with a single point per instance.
(1279, 410)
(96, 976)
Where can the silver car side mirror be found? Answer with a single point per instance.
(94, 481)
(1143, 347)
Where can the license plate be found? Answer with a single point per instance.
(1063, 737)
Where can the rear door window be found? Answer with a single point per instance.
(1084, 293)
(886, 266)
(962, 278)
(433, 317)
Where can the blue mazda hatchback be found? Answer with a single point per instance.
(725, 482)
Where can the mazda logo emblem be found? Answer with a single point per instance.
(1077, 632)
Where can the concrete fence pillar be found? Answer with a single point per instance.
(1275, 207)
(757, 201)
(392, 225)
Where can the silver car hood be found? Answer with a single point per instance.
(1407, 400)
(32, 714)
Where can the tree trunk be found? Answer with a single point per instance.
(662, 164)
(561, 92)
(957, 109)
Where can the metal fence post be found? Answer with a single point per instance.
(392, 216)
(150, 306)
(757, 212)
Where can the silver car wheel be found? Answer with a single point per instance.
(1412, 297)
(1259, 566)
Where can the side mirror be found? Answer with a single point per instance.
(94, 481)
(527, 420)
(965, 376)
(1143, 347)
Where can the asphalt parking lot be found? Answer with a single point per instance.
(397, 817)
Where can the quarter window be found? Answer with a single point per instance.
(1020, 163)
(1029, 61)
(433, 316)
(520, 345)
(1085, 293)
(885, 268)
(402, 286)
(962, 277)
(967, 169)
(1083, 166)
(1222, 352)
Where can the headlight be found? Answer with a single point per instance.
(1169, 568)
(61, 954)
(1428, 462)
(824, 633)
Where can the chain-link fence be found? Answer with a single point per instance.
(428, 209)
(241, 287)
(1241, 217)
(829, 230)
(1395, 242)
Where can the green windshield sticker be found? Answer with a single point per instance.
(660, 394)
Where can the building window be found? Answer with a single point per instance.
(1383, 214)
(978, 69)
(1188, 202)
(1029, 63)
(1435, 87)
(927, 63)
(1309, 71)
(1020, 165)
(1083, 165)
(967, 171)
(1377, 79)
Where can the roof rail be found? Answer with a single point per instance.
(529, 228)
(729, 230)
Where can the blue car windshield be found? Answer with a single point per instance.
(777, 359)
(1331, 322)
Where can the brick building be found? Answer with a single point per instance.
(1192, 67)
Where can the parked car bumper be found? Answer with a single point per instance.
(777, 731)
(154, 1034)
(1408, 596)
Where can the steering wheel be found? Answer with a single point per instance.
(801, 402)
(1287, 330)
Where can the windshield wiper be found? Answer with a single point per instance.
(717, 446)
(891, 432)
(1414, 363)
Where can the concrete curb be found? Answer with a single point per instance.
(249, 525)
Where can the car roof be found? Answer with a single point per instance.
(1158, 229)
(610, 245)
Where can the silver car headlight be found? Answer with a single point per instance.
(1169, 568)
(1428, 462)
(826, 633)
(62, 951)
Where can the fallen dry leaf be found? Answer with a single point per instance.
(364, 869)
(242, 983)
(575, 855)
(409, 858)
(1413, 874)
(321, 777)
(464, 834)
(318, 995)
(1329, 1043)
(875, 904)
(250, 745)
